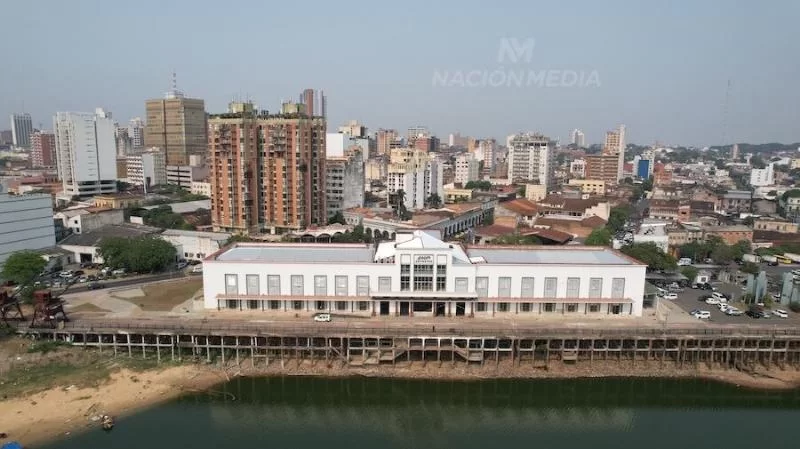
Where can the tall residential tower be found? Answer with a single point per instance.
(86, 153)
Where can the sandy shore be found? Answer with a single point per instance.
(60, 411)
(47, 415)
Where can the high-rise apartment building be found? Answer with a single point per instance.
(417, 173)
(148, 168)
(486, 152)
(466, 169)
(43, 147)
(735, 152)
(322, 105)
(136, 128)
(86, 153)
(267, 171)
(123, 139)
(615, 146)
(577, 138)
(21, 130)
(344, 181)
(531, 159)
(387, 139)
(177, 125)
(602, 168)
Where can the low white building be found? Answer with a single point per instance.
(420, 275)
(195, 245)
(88, 219)
(147, 168)
(653, 232)
(760, 177)
(201, 188)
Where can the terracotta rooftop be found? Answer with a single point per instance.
(495, 230)
(521, 206)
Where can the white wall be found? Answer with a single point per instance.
(26, 223)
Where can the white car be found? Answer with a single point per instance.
(723, 307)
(712, 301)
(780, 313)
(197, 269)
(702, 314)
(322, 317)
(671, 296)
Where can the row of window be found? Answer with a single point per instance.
(424, 282)
(364, 306)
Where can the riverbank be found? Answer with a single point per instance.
(58, 411)
(55, 412)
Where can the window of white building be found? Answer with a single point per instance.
(231, 284)
(251, 282)
(321, 285)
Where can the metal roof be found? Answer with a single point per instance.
(573, 256)
(302, 253)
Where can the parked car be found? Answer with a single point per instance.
(672, 296)
(118, 272)
(780, 313)
(757, 312)
(181, 265)
(733, 311)
(701, 314)
(713, 301)
(719, 297)
(197, 269)
(96, 286)
(322, 317)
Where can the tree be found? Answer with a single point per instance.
(617, 218)
(647, 184)
(480, 185)
(516, 239)
(599, 237)
(750, 268)
(722, 255)
(142, 255)
(649, 253)
(338, 217)
(23, 267)
(434, 201)
(690, 272)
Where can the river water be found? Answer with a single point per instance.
(305, 413)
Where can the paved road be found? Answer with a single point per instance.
(82, 287)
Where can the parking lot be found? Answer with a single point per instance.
(689, 300)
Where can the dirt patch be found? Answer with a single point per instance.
(87, 308)
(164, 296)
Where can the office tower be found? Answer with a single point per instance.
(308, 100)
(147, 168)
(26, 222)
(43, 147)
(578, 138)
(21, 130)
(531, 159)
(322, 105)
(177, 125)
(136, 133)
(615, 146)
(354, 129)
(86, 153)
(267, 171)
(344, 181)
(123, 139)
(387, 140)
(487, 152)
(417, 131)
(417, 173)
(6, 137)
(466, 169)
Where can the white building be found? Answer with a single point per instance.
(86, 152)
(148, 168)
(136, 133)
(194, 245)
(760, 177)
(420, 275)
(201, 188)
(26, 223)
(83, 220)
(578, 168)
(21, 130)
(466, 169)
(578, 138)
(531, 159)
(344, 183)
(417, 174)
(337, 145)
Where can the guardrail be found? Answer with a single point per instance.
(267, 329)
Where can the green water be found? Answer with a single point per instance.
(302, 413)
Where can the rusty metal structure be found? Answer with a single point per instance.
(47, 310)
(10, 309)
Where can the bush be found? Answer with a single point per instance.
(795, 306)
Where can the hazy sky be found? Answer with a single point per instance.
(661, 66)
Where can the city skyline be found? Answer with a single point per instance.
(668, 86)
